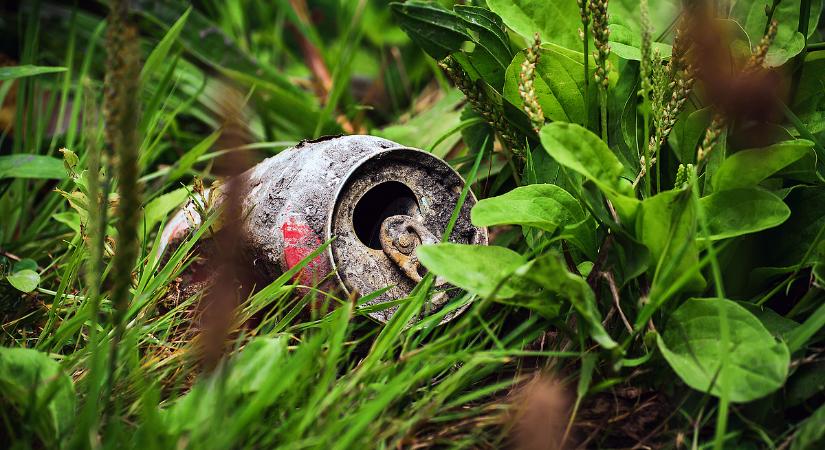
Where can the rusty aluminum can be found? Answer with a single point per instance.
(378, 199)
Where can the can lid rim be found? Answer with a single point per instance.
(342, 185)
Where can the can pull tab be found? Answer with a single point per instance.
(400, 235)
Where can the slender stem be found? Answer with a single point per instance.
(647, 144)
(603, 107)
(586, 78)
(724, 329)
(799, 266)
(770, 15)
(803, 130)
(121, 117)
(714, 262)
(817, 46)
(724, 402)
(804, 18)
(463, 196)
(658, 166)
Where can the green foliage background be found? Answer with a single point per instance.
(658, 303)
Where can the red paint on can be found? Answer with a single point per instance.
(299, 241)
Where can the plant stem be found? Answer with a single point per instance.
(770, 15)
(804, 18)
(646, 144)
(603, 110)
(463, 196)
(803, 130)
(121, 114)
(586, 79)
(817, 46)
(724, 329)
(799, 266)
(658, 166)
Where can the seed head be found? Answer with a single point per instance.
(757, 60)
(485, 107)
(526, 90)
(601, 35)
(717, 126)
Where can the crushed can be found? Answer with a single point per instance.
(378, 199)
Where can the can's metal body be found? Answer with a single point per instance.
(377, 199)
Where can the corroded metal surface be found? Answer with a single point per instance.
(379, 199)
(410, 184)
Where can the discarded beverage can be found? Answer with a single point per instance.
(379, 200)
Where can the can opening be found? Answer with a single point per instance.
(383, 200)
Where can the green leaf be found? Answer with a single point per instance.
(542, 168)
(259, 359)
(492, 54)
(25, 280)
(622, 110)
(69, 218)
(757, 364)
(441, 32)
(810, 92)
(788, 42)
(629, 259)
(432, 27)
(14, 72)
(532, 296)
(544, 206)
(804, 383)
(191, 157)
(790, 241)
(580, 150)
(161, 51)
(421, 130)
(666, 225)
(79, 202)
(689, 128)
(476, 269)
(556, 21)
(779, 326)
(297, 110)
(159, 207)
(550, 273)
(248, 378)
(70, 160)
(627, 44)
(748, 168)
(589, 361)
(819, 271)
(811, 434)
(818, 260)
(626, 17)
(736, 212)
(628, 51)
(31, 166)
(34, 387)
(25, 264)
(804, 169)
(559, 85)
(800, 335)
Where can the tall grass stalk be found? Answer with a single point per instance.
(724, 326)
(601, 35)
(121, 115)
(585, 37)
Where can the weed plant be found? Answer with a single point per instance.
(651, 174)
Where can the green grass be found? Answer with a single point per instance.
(544, 351)
(325, 381)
